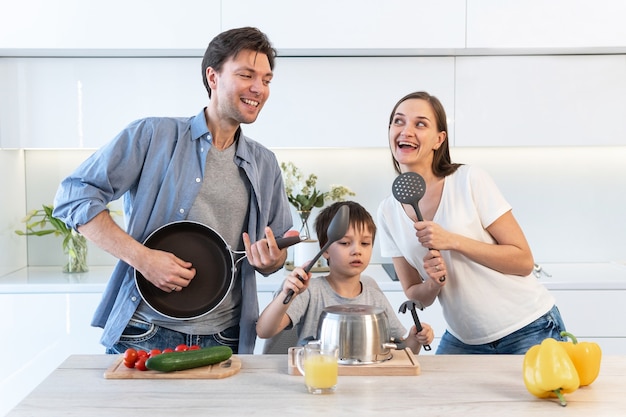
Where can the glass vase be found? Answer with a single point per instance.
(75, 247)
(304, 218)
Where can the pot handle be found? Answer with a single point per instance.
(401, 345)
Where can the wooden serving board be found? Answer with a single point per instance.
(216, 371)
(403, 362)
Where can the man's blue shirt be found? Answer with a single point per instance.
(157, 165)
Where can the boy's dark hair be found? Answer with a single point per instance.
(229, 43)
(360, 219)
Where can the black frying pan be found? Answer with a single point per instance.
(215, 269)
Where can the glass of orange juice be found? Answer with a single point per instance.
(318, 364)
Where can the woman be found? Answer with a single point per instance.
(469, 251)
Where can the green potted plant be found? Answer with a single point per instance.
(41, 222)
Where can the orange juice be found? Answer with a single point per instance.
(320, 371)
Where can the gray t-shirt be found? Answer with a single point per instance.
(222, 204)
(306, 308)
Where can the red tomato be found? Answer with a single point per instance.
(129, 364)
(194, 347)
(130, 356)
(141, 364)
(181, 348)
(142, 354)
(167, 350)
(154, 352)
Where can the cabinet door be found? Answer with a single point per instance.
(540, 101)
(352, 24)
(85, 102)
(545, 24)
(344, 102)
(595, 315)
(39, 332)
(74, 27)
(264, 299)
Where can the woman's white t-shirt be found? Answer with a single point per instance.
(480, 305)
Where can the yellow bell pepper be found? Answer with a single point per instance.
(586, 357)
(549, 372)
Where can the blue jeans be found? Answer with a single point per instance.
(516, 343)
(139, 334)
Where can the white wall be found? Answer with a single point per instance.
(12, 210)
(570, 201)
(544, 119)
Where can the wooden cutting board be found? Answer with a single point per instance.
(224, 369)
(403, 362)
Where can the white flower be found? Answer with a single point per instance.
(302, 192)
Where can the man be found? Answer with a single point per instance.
(200, 169)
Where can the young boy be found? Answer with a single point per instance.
(347, 259)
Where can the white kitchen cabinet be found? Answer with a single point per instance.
(354, 25)
(265, 297)
(344, 102)
(594, 314)
(321, 102)
(315, 102)
(76, 27)
(155, 27)
(46, 315)
(39, 332)
(540, 101)
(85, 102)
(591, 315)
(545, 24)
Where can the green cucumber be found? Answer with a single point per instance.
(178, 361)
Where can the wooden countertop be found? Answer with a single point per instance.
(470, 385)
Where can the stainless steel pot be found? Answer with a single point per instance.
(361, 332)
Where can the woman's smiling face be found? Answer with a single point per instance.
(413, 134)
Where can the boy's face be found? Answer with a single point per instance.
(351, 254)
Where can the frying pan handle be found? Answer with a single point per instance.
(284, 242)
